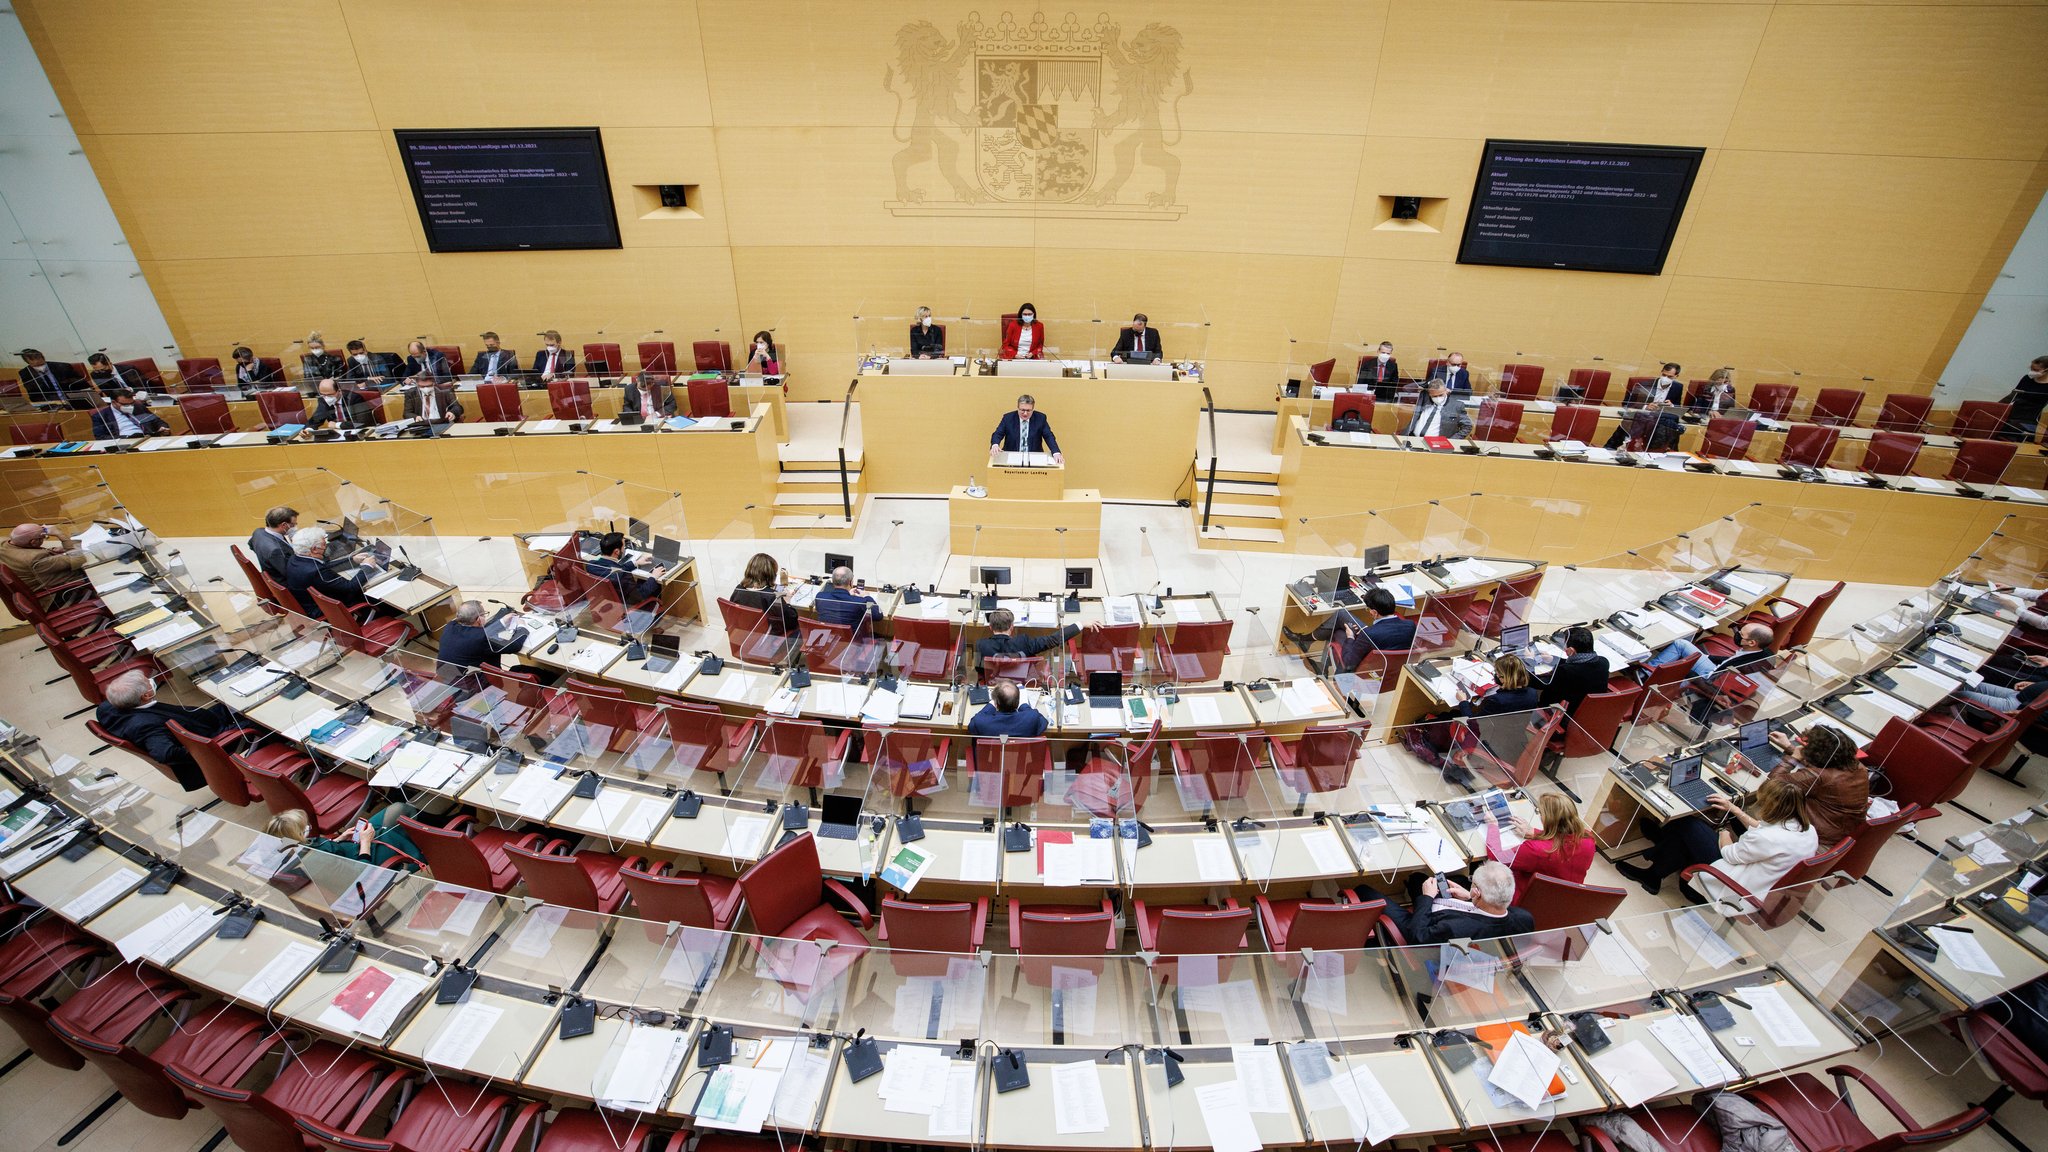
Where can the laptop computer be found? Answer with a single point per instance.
(1141, 356)
(1106, 689)
(666, 551)
(1688, 784)
(1514, 638)
(839, 818)
(663, 650)
(1753, 740)
(1328, 580)
(637, 531)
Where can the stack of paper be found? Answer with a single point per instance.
(913, 1079)
(647, 1065)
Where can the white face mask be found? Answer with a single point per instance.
(319, 351)
(925, 321)
(1025, 318)
(760, 345)
(1386, 356)
(362, 357)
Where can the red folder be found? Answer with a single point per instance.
(1437, 443)
(1045, 838)
(362, 993)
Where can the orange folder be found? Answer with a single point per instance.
(1495, 1037)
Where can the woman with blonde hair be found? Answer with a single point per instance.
(378, 840)
(1556, 845)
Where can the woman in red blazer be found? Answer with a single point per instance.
(1560, 847)
(1024, 337)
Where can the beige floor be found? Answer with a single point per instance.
(901, 539)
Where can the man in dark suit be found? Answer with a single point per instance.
(44, 382)
(610, 564)
(1025, 431)
(1350, 638)
(1140, 340)
(1004, 714)
(253, 373)
(125, 417)
(1439, 414)
(423, 363)
(466, 643)
(1656, 428)
(653, 399)
(1454, 374)
(308, 571)
(1665, 389)
(1381, 371)
(343, 407)
(433, 401)
(102, 374)
(838, 603)
(271, 545)
(495, 363)
(363, 367)
(553, 361)
(131, 712)
(1581, 673)
(1003, 640)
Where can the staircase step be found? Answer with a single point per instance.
(810, 523)
(809, 499)
(814, 456)
(816, 476)
(1239, 487)
(1221, 533)
(1241, 511)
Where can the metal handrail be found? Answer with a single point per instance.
(846, 415)
(1209, 495)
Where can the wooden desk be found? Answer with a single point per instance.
(1026, 482)
(994, 527)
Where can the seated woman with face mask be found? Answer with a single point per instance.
(1024, 337)
(927, 340)
(763, 358)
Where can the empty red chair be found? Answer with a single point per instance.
(569, 398)
(1773, 400)
(200, 374)
(372, 637)
(498, 400)
(1358, 404)
(1061, 930)
(933, 926)
(925, 649)
(1521, 381)
(2010, 1063)
(840, 649)
(1319, 373)
(700, 739)
(1892, 453)
(1595, 726)
(332, 801)
(338, 1089)
(709, 399)
(96, 660)
(1809, 445)
(603, 360)
(462, 851)
(710, 355)
(36, 432)
(1500, 421)
(280, 407)
(1979, 418)
(907, 760)
(1326, 926)
(35, 963)
(1837, 406)
(1441, 617)
(1194, 654)
(1020, 763)
(1320, 759)
(1904, 412)
(1727, 438)
(206, 414)
(105, 1021)
(659, 356)
(1543, 724)
(1217, 766)
(582, 1130)
(449, 1117)
(795, 752)
(1017, 669)
(786, 891)
(211, 754)
(1111, 648)
(1573, 422)
(1512, 603)
(1982, 461)
(558, 874)
(152, 376)
(1559, 903)
(1191, 929)
(1588, 385)
(1788, 896)
(692, 899)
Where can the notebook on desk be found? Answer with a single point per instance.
(1024, 459)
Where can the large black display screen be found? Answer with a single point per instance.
(510, 189)
(1595, 207)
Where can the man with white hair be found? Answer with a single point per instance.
(1483, 912)
(133, 713)
(29, 554)
(307, 571)
(466, 644)
(838, 603)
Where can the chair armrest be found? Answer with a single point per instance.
(636, 863)
(1181, 765)
(852, 902)
(1597, 1140)
(1146, 940)
(531, 842)
(1717, 874)
(1016, 920)
(1843, 1073)
(1390, 935)
(522, 1120)
(980, 923)
(324, 1134)
(1281, 752)
(458, 822)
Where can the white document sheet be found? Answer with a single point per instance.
(1224, 1113)
(1781, 1022)
(1213, 861)
(1258, 1070)
(1963, 951)
(281, 973)
(1634, 1072)
(1524, 1069)
(462, 1034)
(1687, 1041)
(101, 894)
(1373, 1113)
(1077, 1104)
(955, 1117)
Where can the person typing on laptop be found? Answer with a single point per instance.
(1754, 848)
(1025, 430)
(1821, 762)
(1137, 344)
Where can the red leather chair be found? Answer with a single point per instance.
(1983, 747)
(1979, 419)
(604, 360)
(1020, 763)
(786, 892)
(1855, 864)
(96, 660)
(340, 1089)
(794, 753)
(2006, 1059)
(700, 739)
(1016, 669)
(907, 760)
(1773, 400)
(1520, 381)
(1787, 897)
(1357, 404)
(37, 432)
(1512, 603)
(1727, 438)
(692, 899)
(1559, 903)
(710, 355)
(1573, 422)
(582, 1130)
(372, 637)
(569, 398)
(749, 637)
(1800, 1102)
(332, 800)
(1836, 406)
(1638, 389)
(1441, 617)
(1982, 461)
(1343, 925)
(462, 851)
(840, 649)
(933, 926)
(498, 401)
(1590, 384)
(1904, 412)
(137, 751)
(108, 1019)
(925, 649)
(281, 406)
(1597, 724)
(1810, 618)
(1191, 929)
(1215, 766)
(1195, 653)
(1436, 366)
(1320, 372)
(1891, 453)
(152, 376)
(1061, 930)
(451, 1117)
(453, 354)
(37, 963)
(1111, 648)
(710, 399)
(558, 874)
(200, 374)
(206, 414)
(1320, 759)
(1500, 421)
(1808, 445)
(211, 754)
(1384, 665)
(1921, 768)
(1543, 725)
(658, 356)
